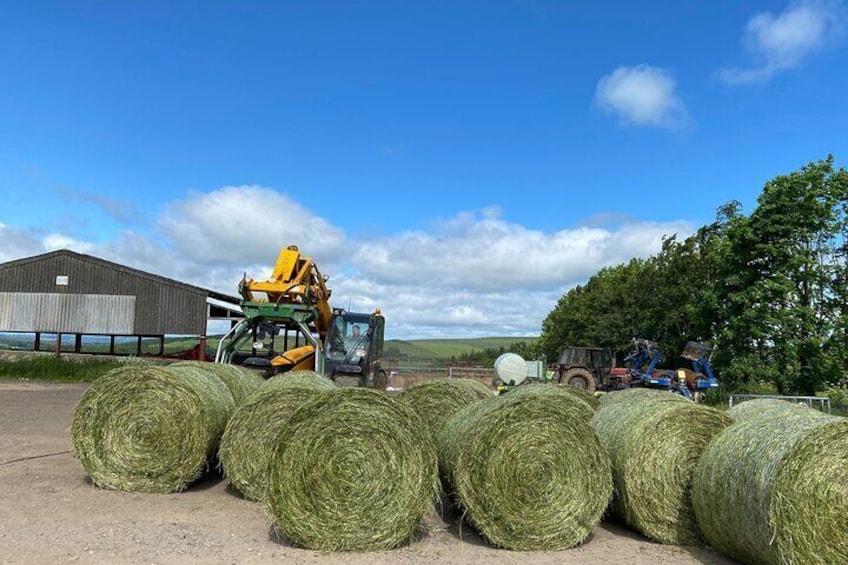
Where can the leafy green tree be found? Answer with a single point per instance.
(605, 312)
(486, 357)
(770, 289)
(782, 279)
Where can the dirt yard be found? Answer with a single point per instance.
(51, 513)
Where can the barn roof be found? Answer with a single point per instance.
(122, 268)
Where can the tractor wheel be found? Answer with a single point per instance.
(581, 378)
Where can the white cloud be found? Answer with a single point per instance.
(56, 241)
(780, 42)
(431, 310)
(471, 275)
(477, 274)
(16, 243)
(488, 253)
(642, 96)
(246, 225)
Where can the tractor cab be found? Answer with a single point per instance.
(354, 347)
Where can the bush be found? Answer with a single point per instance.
(838, 392)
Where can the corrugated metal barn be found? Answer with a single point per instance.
(64, 292)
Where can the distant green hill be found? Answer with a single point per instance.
(410, 350)
(440, 349)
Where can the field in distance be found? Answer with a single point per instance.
(413, 349)
(439, 349)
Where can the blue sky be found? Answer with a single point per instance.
(460, 164)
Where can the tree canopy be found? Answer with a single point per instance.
(768, 289)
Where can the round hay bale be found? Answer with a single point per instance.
(150, 429)
(654, 442)
(301, 377)
(436, 400)
(251, 434)
(572, 395)
(763, 407)
(527, 469)
(241, 382)
(353, 470)
(630, 394)
(582, 393)
(771, 488)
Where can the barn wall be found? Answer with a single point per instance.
(103, 294)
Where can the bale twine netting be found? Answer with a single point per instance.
(655, 440)
(150, 429)
(526, 469)
(353, 470)
(251, 434)
(436, 400)
(241, 382)
(772, 488)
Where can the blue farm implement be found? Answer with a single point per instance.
(691, 383)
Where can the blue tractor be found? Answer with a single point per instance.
(691, 383)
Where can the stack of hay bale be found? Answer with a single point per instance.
(353, 469)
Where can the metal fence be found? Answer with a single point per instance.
(819, 402)
(421, 370)
(469, 372)
(441, 371)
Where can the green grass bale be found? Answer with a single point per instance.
(241, 382)
(252, 433)
(655, 440)
(436, 400)
(150, 429)
(526, 469)
(354, 470)
(772, 489)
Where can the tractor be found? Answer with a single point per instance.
(590, 368)
(289, 325)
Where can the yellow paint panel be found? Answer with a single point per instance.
(286, 263)
(297, 359)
